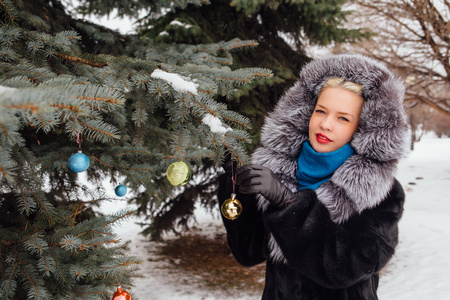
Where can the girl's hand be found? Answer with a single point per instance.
(256, 179)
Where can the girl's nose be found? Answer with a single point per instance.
(326, 124)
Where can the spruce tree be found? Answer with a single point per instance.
(132, 105)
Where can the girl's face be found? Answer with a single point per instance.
(335, 119)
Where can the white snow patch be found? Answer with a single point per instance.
(215, 124)
(178, 23)
(6, 90)
(176, 81)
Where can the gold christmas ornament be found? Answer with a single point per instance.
(178, 173)
(231, 208)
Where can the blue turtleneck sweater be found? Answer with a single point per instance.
(315, 168)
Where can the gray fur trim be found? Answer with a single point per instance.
(361, 179)
(275, 251)
(382, 138)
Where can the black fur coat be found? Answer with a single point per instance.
(330, 243)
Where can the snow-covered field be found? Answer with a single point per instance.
(421, 267)
(419, 270)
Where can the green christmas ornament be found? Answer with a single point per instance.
(178, 173)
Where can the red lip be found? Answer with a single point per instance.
(323, 139)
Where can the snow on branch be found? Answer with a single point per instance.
(5, 90)
(178, 23)
(176, 81)
(214, 124)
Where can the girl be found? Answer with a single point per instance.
(320, 202)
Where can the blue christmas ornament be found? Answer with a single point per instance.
(121, 190)
(78, 162)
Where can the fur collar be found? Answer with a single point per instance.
(382, 138)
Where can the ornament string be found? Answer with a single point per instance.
(121, 277)
(79, 140)
(79, 137)
(233, 177)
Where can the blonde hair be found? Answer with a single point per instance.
(340, 82)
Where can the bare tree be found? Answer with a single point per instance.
(413, 37)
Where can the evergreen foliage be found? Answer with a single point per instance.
(132, 105)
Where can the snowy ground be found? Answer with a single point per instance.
(420, 268)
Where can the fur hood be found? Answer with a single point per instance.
(381, 139)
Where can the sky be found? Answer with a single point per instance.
(123, 25)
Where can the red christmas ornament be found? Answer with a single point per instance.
(121, 294)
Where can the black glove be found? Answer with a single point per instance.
(255, 179)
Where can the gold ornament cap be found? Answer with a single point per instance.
(231, 208)
(178, 173)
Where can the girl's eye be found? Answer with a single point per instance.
(343, 119)
(319, 111)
